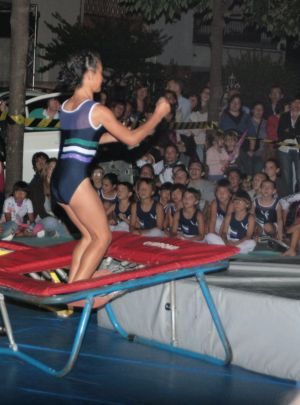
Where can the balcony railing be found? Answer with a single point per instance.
(236, 33)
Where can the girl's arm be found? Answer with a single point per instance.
(224, 227)
(253, 207)
(166, 221)
(251, 227)
(159, 216)
(124, 218)
(201, 227)
(110, 210)
(133, 220)
(212, 217)
(174, 230)
(102, 115)
(31, 217)
(7, 216)
(279, 222)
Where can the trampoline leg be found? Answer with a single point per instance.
(115, 322)
(7, 324)
(80, 333)
(171, 347)
(215, 317)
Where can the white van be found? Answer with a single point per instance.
(39, 139)
(48, 141)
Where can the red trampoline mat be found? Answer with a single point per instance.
(158, 255)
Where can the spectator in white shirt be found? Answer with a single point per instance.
(15, 208)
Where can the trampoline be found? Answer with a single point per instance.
(154, 261)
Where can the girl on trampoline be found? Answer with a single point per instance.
(84, 125)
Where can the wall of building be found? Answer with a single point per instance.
(181, 50)
(69, 10)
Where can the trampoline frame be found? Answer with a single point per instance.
(125, 286)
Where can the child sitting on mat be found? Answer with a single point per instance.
(122, 208)
(268, 212)
(238, 227)
(174, 206)
(292, 226)
(15, 208)
(220, 206)
(188, 222)
(147, 215)
(108, 193)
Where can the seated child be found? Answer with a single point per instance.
(220, 207)
(15, 209)
(122, 208)
(234, 177)
(216, 157)
(146, 171)
(188, 222)
(258, 178)
(292, 228)
(181, 176)
(174, 206)
(165, 195)
(232, 147)
(268, 212)
(198, 181)
(246, 182)
(97, 177)
(272, 170)
(108, 193)
(238, 227)
(147, 215)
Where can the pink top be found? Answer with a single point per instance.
(216, 161)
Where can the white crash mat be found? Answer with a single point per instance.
(263, 329)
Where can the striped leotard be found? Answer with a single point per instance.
(78, 146)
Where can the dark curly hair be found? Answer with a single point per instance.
(74, 68)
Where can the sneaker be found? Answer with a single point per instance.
(40, 234)
(277, 245)
(8, 237)
(37, 228)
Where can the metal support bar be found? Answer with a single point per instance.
(171, 347)
(173, 311)
(85, 316)
(215, 317)
(7, 324)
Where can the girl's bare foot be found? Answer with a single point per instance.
(290, 252)
(98, 301)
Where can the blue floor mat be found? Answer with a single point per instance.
(111, 370)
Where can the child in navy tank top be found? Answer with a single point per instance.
(122, 208)
(220, 206)
(268, 212)
(188, 222)
(238, 227)
(174, 206)
(147, 215)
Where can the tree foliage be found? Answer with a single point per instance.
(279, 18)
(123, 48)
(152, 10)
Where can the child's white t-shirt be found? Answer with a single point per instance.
(17, 212)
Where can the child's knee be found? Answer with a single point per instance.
(270, 229)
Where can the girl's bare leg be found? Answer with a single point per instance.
(295, 238)
(87, 213)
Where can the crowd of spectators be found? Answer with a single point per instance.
(238, 184)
